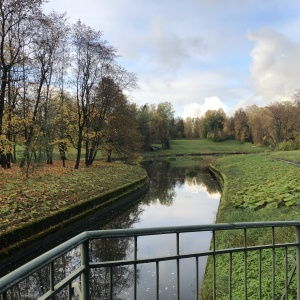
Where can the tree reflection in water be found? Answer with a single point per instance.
(165, 182)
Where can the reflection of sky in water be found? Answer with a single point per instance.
(192, 205)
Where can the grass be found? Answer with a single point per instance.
(257, 187)
(51, 188)
(200, 147)
(287, 155)
(259, 181)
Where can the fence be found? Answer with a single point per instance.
(255, 271)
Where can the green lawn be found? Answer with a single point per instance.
(287, 155)
(198, 147)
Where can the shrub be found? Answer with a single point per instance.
(288, 145)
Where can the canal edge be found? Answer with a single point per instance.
(15, 240)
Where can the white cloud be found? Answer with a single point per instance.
(192, 110)
(275, 68)
(198, 110)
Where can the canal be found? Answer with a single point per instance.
(177, 196)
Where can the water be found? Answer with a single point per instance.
(177, 196)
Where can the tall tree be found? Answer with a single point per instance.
(115, 80)
(49, 31)
(282, 124)
(164, 115)
(179, 128)
(144, 118)
(241, 126)
(16, 18)
(91, 58)
(124, 141)
(212, 124)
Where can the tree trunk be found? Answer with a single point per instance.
(62, 152)
(79, 144)
(49, 152)
(109, 155)
(4, 78)
(31, 130)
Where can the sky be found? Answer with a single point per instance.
(200, 54)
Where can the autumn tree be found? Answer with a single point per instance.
(296, 111)
(49, 32)
(144, 119)
(228, 128)
(124, 141)
(16, 25)
(281, 124)
(212, 124)
(257, 120)
(179, 127)
(192, 127)
(108, 96)
(91, 57)
(241, 126)
(163, 116)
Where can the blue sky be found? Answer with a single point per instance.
(200, 54)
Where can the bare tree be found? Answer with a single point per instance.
(50, 31)
(91, 57)
(16, 19)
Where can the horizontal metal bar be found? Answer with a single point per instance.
(41, 261)
(184, 256)
(181, 229)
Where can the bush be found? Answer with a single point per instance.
(288, 146)
(216, 136)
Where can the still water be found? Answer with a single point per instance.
(177, 196)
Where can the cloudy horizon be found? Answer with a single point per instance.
(200, 54)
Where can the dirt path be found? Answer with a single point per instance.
(290, 162)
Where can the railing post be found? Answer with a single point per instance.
(85, 277)
(298, 261)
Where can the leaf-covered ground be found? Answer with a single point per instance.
(52, 187)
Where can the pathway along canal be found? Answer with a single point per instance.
(177, 196)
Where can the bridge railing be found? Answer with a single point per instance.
(276, 274)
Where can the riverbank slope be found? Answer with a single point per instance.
(255, 187)
(54, 197)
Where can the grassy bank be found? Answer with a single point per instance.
(54, 195)
(257, 187)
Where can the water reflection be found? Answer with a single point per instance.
(177, 196)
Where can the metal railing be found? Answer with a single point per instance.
(268, 270)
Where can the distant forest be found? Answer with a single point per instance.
(276, 125)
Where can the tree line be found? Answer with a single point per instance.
(61, 86)
(276, 125)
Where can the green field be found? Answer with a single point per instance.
(198, 147)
